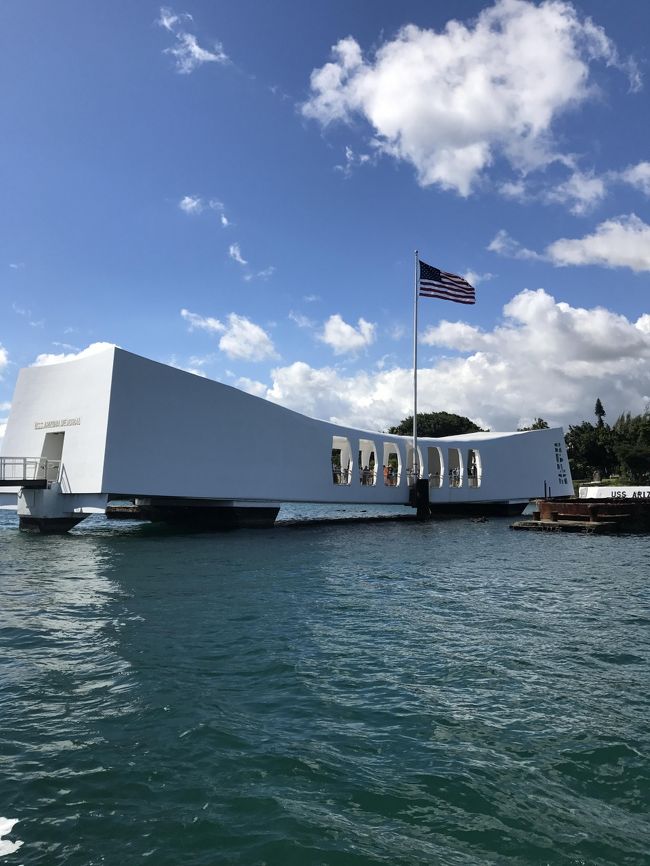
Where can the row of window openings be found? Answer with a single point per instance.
(440, 474)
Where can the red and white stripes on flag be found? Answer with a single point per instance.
(434, 283)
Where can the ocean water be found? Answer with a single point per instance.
(441, 693)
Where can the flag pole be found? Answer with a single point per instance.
(416, 466)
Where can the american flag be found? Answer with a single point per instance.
(435, 283)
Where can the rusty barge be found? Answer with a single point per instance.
(597, 516)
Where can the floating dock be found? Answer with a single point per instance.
(604, 516)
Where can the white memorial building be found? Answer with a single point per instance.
(115, 426)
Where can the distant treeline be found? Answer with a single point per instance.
(622, 449)
(594, 450)
(434, 424)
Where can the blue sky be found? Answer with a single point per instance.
(238, 188)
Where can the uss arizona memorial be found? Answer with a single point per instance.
(117, 426)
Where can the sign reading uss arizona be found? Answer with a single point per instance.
(614, 492)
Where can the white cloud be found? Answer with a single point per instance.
(450, 103)
(187, 51)
(189, 54)
(515, 190)
(457, 335)
(643, 323)
(170, 19)
(5, 407)
(203, 323)
(264, 274)
(22, 311)
(195, 204)
(241, 339)
(621, 242)
(638, 176)
(327, 393)
(68, 346)
(344, 338)
(4, 359)
(311, 299)
(546, 359)
(186, 368)
(16, 266)
(191, 204)
(276, 90)
(49, 358)
(504, 245)
(200, 361)
(352, 160)
(372, 401)
(251, 386)
(582, 192)
(246, 341)
(300, 320)
(196, 363)
(235, 253)
(474, 278)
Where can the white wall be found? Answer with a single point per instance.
(169, 433)
(174, 434)
(67, 392)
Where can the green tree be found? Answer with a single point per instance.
(632, 429)
(634, 462)
(622, 449)
(436, 424)
(538, 424)
(590, 450)
(631, 435)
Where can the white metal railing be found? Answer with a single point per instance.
(454, 477)
(436, 479)
(341, 476)
(20, 469)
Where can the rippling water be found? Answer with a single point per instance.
(448, 693)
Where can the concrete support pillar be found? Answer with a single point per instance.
(47, 511)
(421, 491)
